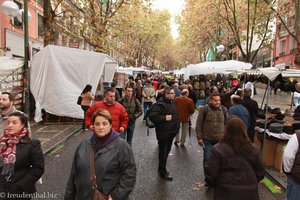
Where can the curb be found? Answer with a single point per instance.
(61, 141)
(276, 179)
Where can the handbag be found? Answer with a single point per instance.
(79, 100)
(97, 195)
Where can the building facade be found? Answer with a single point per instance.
(285, 46)
(12, 34)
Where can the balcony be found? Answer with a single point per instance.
(293, 50)
(281, 54)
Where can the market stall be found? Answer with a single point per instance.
(273, 140)
(59, 74)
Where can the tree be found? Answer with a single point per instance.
(85, 19)
(228, 22)
(140, 34)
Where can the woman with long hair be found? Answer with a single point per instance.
(87, 98)
(114, 164)
(235, 165)
(21, 159)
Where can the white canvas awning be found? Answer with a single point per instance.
(272, 72)
(221, 67)
(59, 74)
(8, 64)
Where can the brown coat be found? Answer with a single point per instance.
(232, 176)
(185, 107)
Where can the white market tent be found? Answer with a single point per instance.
(59, 74)
(8, 64)
(221, 67)
(133, 70)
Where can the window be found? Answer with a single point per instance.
(282, 47)
(16, 22)
(293, 45)
(40, 25)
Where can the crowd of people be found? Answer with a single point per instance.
(104, 164)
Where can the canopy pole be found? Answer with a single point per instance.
(266, 121)
(262, 103)
(292, 100)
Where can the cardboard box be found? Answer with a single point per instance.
(269, 152)
(257, 140)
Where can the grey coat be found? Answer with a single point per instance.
(114, 168)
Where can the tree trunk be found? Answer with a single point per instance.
(48, 23)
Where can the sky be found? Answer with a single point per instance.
(174, 7)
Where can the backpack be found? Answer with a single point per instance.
(206, 111)
(149, 123)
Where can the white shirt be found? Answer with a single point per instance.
(289, 153)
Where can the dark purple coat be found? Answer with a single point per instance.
(232, 176)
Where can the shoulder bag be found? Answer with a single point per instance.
(79, 100)
(97, 195)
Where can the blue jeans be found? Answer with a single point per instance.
(147, 105)
(128, 133)
(206, 150)
(292, 189)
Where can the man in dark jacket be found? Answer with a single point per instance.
(239, 110)
(164, 115)
(134, 111)
(252, 107)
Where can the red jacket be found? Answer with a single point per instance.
(117, 111)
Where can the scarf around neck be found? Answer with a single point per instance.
(100, 142)
(8, 150)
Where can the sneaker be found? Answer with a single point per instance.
(182, 145)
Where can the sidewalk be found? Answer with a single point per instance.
(52, 135)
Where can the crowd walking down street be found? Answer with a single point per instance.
(215, 161)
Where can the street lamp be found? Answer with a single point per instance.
(11, 9)
(219, 49)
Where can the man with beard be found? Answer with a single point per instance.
(7, 107)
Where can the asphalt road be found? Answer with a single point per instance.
(184, 164)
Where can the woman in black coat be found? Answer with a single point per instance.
(114, 164)
(235, 165)
(21, 159)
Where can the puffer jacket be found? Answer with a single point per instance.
(165, 130)
(234, 176)
(116, 110)
(115, 171)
